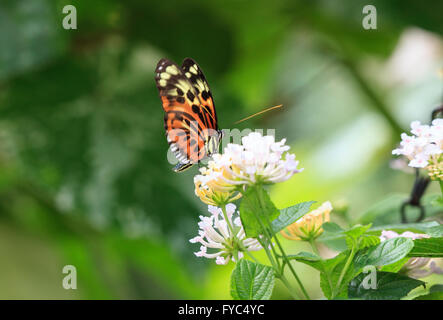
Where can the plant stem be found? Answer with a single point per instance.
(268, 235)
(266, 244)
(441, 188)
(285, 258)
(270, 257)
(231, 228)
(289, 287)
(225, 215)
(279, 272)
(274, 261)
(317, 252)
(346, 267)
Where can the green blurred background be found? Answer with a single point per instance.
(84, 178)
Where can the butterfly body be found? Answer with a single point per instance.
(190, 117)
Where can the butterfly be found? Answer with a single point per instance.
(190, 118)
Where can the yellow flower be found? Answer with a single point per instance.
(309, 226)
(435, 168)
(212, 189)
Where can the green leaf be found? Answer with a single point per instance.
(354, 235)
(255, 205)
(322, 266)
(387, 252)
(252, 281)
(389, 286)
(336, 241)
(290, 215)
(330, 271)
(364, 241)
(436, 231)
(435, 293)
(332, 228)
(436, 288)
(431, 296)
(427, 247)
(358, 230)
(422, 227)
(329, 278)
(396, 266)
(368, 240)
(304, 256)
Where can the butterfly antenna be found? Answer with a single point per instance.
(260, 112)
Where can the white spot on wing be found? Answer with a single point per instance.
(193, 69)
(165, 75)
(172, 70)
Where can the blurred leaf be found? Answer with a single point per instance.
(181, 42)
(160, 262)
(28, 34)
(387, 211)
(331, 227)
(413, 227)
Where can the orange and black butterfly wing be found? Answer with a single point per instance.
(184, 121)
(195, 75)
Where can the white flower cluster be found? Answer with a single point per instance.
(424, 146)
(414, 267)
(227, 239)
(258, 159)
